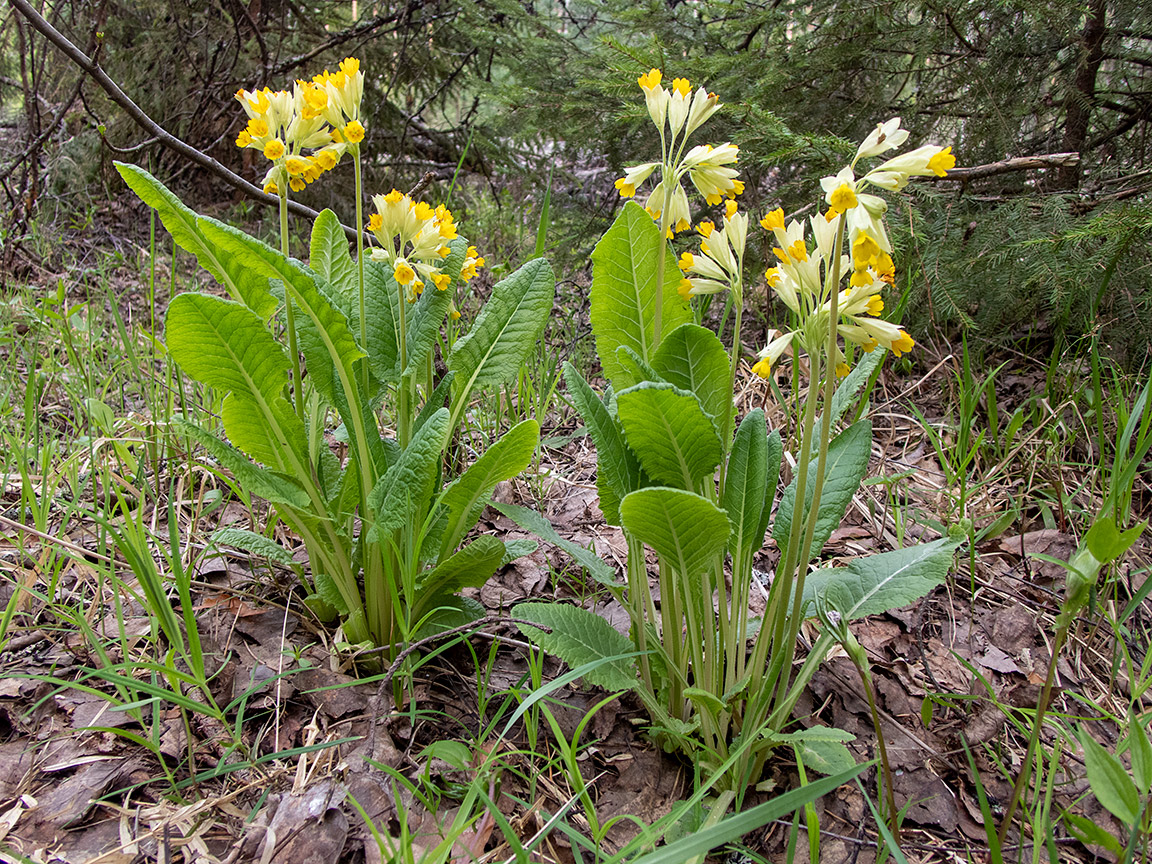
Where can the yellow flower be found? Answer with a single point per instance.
(686, 261)
(875, 305)
(942, 162)
(729, 208)
(626, 189)
(404, 274)
(798, 250)
(274, 149)
(773, 220)
(842, 369)
(682, 86)
(441, 281)
(243, 139)
(903, 345)
(842, 198)
(772, 274)
(650, 79)
(354, 132)
(705, 228)
(270, 188)
(375, 222)
(296, 184)
(763, 368)
(296, 165)
(684, 289)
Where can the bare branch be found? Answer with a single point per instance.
(1005, 166)
(151, 126)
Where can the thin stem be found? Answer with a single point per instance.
(293, 350)
(1041, 707)
(360, 262)
(833, 283)
(886, 767)
(662, 253)
(737, 294)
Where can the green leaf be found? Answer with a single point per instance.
(329, 257)
(265, 430)
(750, 484)
(670, 433)
(775, 457)
(425, 317)
(406, 488)
(579, 637)
(1106, 542)
(470, 567)
(1110, 783)
(505, 332)
(734, 827)
(693, 359)
(256, 544)
(617, 468)
(447, 611)
(253, 478)
(821, 748)
(1091, 834)
(381, 306)
(225, 345)
(869, 586)
(704, 699)
(624, 291)
(182, 223)
(1141, 752)
(469, 493)
(848, 389)
(687, 530)
(530, 520)
(846, 464)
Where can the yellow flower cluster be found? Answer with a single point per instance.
(720, 261)
(677, 113)
(305, 132)
(412, 237)
(802, 276)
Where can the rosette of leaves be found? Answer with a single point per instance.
(385, 534)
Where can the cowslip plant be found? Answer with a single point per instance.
(382, 530)
(685, 480)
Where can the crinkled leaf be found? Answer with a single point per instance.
(225, 345)
(624, 292)
(849, 388)
(470, 567)
(469, 493)
(669, 432)
(693, 359)
(381, 307)
(580, 637)
(846, 464)
(243, 285)
(877, 583)
(750, 484)
(530, 520)
(253, 478)
(505, 332)
(257, 544)
(618, 470)
(446, 612)
(329, 257)
(406, 488)
(687, 530)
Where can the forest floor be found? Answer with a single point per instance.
(314, 754)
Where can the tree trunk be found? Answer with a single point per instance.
(1082, 97)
